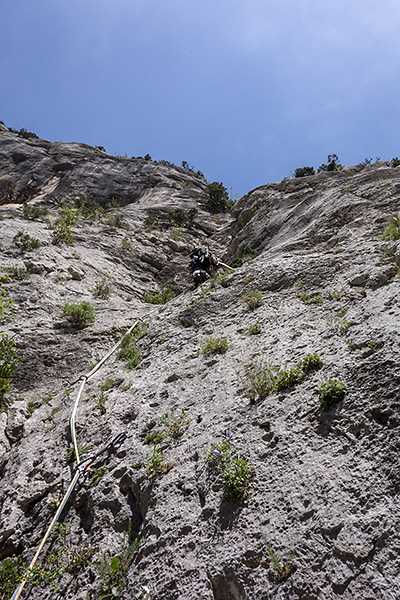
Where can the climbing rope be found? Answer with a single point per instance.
(81, 466)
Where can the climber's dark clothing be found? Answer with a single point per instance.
(202, 265)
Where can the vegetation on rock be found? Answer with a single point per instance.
(79, 315)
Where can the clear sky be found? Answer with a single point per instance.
(245, 90)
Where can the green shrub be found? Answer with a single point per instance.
(11, 573)
(252, 299)
(392, 229)
(25, 242)
(310, 363)
(304, 172)
(6, 302)
(167, 220)
(395, 162)
(18, 273)
(100, 400)
(32, 406)
(217, 197)
(107, 385)
(79, 315)
(282, 569)
(333, 164)
(90, 210)
(287, 379)
(248, 254)
(103, 289)
(155, 437)
(157, 465)
(117, 220)
(62, 559)
(97, 476)
(331, 392)
(126, 244)
(260, 381)
(70, 455)
(307, 299)
(236, 478)
(171, 427)
(129, 352)
(32, 212)
(27, 135)
(9, 361)
(254, 329)
(367, 161)
(62, 233)
(235, 469)
(169, 292)
(50, 417)
(215, 345)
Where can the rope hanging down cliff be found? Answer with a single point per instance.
(81, 466)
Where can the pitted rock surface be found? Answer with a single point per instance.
(326, 482)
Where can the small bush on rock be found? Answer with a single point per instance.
(62, 233)
(248, 255)
(97, 476)
(392, 230)
(304, 171)
(307, 299)
(282, 569)
(262, 380)
(235, 469)
(117, 220)
(254, 329)
(157, 465)
(169, 292)
(18, 273)
(61, 560)
(79, 315)
(215, 345)
(333, 164)
(129, 352)
(331, 392)
(33, 212)
(90, 210)
(217, 197)
(252, 299)
(11, 572)
(113, 567)
(100, 400)
(25, 242)
(171, 427)
(102, 289)
(9, 361)
(6, 302)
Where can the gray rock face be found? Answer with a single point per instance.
(38, 170)
(325, 482)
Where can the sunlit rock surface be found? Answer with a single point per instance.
(325, 483)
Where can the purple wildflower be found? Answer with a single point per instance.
(216, 452)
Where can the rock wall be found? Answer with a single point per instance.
(324, 482)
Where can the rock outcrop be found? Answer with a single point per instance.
(323, 482)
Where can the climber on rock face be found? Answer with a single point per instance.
(203, 264)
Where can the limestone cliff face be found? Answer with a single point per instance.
(325, 481)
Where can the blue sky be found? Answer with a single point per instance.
(245, 90)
